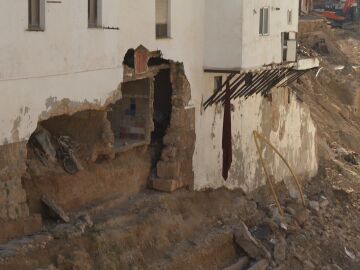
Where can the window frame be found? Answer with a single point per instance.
(262, 25)
(40, 24)
(97, 20)
(168, 23)
(290, 17)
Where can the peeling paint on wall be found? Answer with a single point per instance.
(283, 120)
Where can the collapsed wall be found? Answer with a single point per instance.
(82, 152)
(281, 118)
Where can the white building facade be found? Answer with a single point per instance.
(68, 60)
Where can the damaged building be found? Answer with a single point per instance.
(127, 95)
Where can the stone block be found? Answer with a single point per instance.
(179, 118)
(16, 195)
(12, 160)
(245, 240)
(178, 101)
(167, 185)
(168, 169)
(168, 153)
(180, 138)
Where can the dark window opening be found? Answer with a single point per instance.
(93, 13)
(264, 21)
(162, 8)
(36, 15)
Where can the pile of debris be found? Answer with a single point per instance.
(52, 149)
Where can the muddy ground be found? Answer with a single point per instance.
(206, 230)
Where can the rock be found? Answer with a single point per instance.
(260, 265)
(55, 209)
(308, 265)
(249, 244)
(280, 250)
(315, 206)
(84, 221)
(302, 216)
(291, 211)
(350, 158)
(240, 264)
(324, 202)
(167, 185)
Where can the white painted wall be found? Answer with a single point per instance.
(232, 33)
(260, 50)
(288, 125)
(223, 34)
(68, 60)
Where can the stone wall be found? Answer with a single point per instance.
(12, 195)
(175, 169)
(15, 219)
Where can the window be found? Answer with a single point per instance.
(264, 21)
(217, 83)
(36, 14)
(289, 16)
(162, 8)
(94, 13)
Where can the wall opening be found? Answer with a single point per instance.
(100, 171)
(130, 117)
(162, 111)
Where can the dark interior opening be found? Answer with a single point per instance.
(129, 59)
(162, 111)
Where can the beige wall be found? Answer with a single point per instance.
(284, 121)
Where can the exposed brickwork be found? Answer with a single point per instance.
(15, 220)
(12, 195)
(175, 168)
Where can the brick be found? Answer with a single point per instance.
(166, 185)
(168, 153)
(168, 169)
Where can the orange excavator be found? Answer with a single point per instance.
(342, 16)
